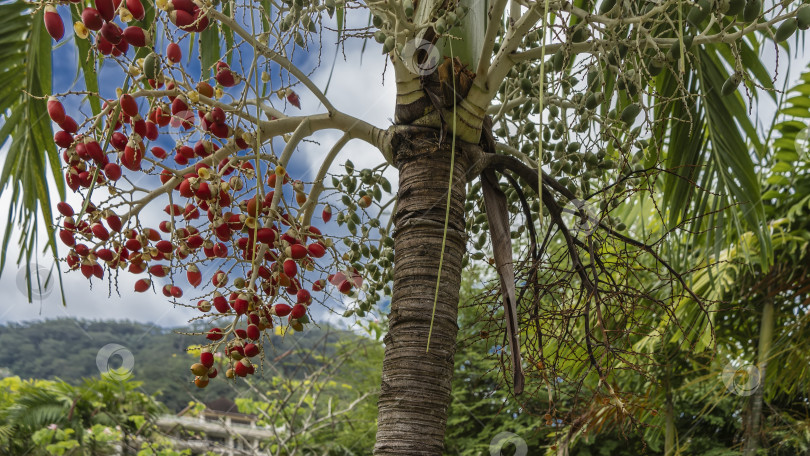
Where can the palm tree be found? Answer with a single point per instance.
(482, 101)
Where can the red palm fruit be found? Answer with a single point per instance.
(64, 209)
(318, 285)
(200, 20)
(111, 32)
(92, 19)
(218, 115)
(212, 373)
(112, 171)
(138, 126)
(186, 151)
(207, 359)
(214, 334)
(72, 260)
(204, 306)
(345, 287)
(252, 333)
(105, 254)
(98, 271)
(205, 89)
(114, 222)
(131, 159)
(203, 148)
(201, 382)
(316, 249)
(185, 5)
(194, 276)
(221, 131)
(296, 251)
(240, 305)
(104, 46)
(106, 9)
(164, 246)
(203, 191)
(136, 8)
(179, 105)
(63, 139)
(303, 297)
(67, 238)
(298, 311)
(100, 232)
(136, 36)
(182, 19)
(220, 303)
(87, 270)
(173, 209)
(121, 48)
(69, 125)
(82, 250)
(252, 350)
(221, 250)
(266, 235)
(118, 140)
(53, 23)
(159, 270)
(242, 334)
(173, 53)
(292, 97)
(158, 152)
(195, 241)
(326, 215)
(185, 189)
(55, 110)
(151, 131)
(176, 292)
(226, 78)
(128, 105)
(220, 279)
(282, 310)
(94, 150)
(240, 368)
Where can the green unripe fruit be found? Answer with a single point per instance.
(735, 7)
(390, 42)
(785, 30)
(580, 34)
(731, 84)
(803, 17)
(526, 85)
(440, 26)
(407, 5)
(377, 21)
(606, 6)
(558, 60)
(594, 100)
(151, 66)
(379, 36)
(451, 17)
(655, 66)
(699, 13)
(553, 111)
(630, 113)
(753, 8)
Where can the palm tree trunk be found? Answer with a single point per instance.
(416, 385)
(755, 419)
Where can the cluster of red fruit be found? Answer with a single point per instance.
(224, 220)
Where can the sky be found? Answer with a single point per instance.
(365, 90)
